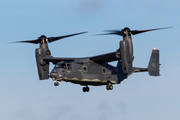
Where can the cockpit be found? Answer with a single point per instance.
(66, 66)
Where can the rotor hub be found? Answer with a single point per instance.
(126, 31)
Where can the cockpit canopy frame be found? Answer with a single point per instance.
(64, 65)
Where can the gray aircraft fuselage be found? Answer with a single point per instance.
(87, 73)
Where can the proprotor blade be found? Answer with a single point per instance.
(52, 39)
(29, 41)
(134, 32)
(114, 32)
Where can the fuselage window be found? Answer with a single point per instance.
(85, 69)
(104, 70)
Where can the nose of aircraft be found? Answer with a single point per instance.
(55, 74)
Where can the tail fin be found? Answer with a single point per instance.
(153, 67)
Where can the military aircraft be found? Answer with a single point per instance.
(95, 70)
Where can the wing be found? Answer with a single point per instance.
(55, 60)
(104, 58)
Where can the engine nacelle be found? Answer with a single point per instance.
(42, 62)
(118, 53)
(126, 57)
(42, 66)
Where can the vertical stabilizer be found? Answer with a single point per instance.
(153, 67)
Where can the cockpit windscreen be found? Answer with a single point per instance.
(64, 66)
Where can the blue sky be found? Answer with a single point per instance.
(140, 97)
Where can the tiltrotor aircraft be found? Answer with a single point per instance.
(93, 70)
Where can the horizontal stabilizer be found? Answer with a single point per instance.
(153, 67)
(137, 69)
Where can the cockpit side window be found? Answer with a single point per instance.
(56, 66)
(63, 65)
(69, 67)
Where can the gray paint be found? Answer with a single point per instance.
(93, 70)
(153, 67)
(93, 76)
